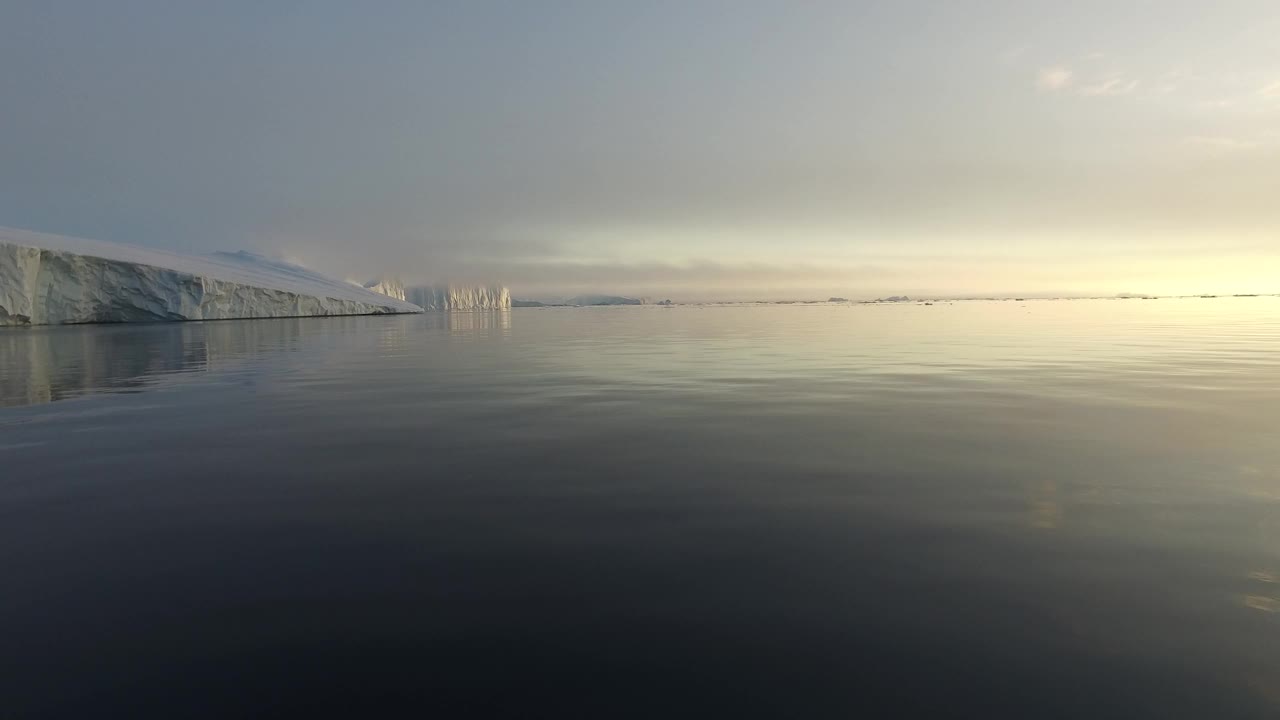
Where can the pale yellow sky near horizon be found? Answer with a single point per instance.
(703, 150)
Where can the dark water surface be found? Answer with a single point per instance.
(1040, 509)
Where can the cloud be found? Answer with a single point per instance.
(702, 280)
(1219, 104)
(1013, 54)
(1218, 145)
(1054, 78)
(1270, 91)
(1110, 87)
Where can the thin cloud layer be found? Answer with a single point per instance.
(1054, 78)
(707, 149)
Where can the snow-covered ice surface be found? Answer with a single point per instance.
(460, 297)
(53, 279)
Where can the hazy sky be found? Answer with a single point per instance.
(691, 149)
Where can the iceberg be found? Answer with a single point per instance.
(391, 287)
(52, 280)
(460, 297)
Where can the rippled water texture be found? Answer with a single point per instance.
(1024, 509)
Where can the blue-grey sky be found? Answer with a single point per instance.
(694, 149)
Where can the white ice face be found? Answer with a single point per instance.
(51, 279)
(454, 297)
(391, 287)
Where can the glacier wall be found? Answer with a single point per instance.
(391, 287)
(19, 270)
(457, 297)
(56, 285)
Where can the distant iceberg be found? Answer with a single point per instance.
(53, 280)
(391, 287)
(460, 297)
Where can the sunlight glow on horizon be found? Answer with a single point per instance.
(744, 149)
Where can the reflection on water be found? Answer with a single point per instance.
(1265, 595)
(1033, 509)
(1046, 512)
(46, 364)
(469, 322)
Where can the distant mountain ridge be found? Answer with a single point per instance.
(594, 300)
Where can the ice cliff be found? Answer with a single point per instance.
(50, 280)
(445, 297)
(391, 287)
(460, 297)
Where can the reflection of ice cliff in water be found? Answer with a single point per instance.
(42, 365)
(464, 322)
(50, 363)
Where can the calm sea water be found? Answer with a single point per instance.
(1019, 509)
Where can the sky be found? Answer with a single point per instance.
(694, 149)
